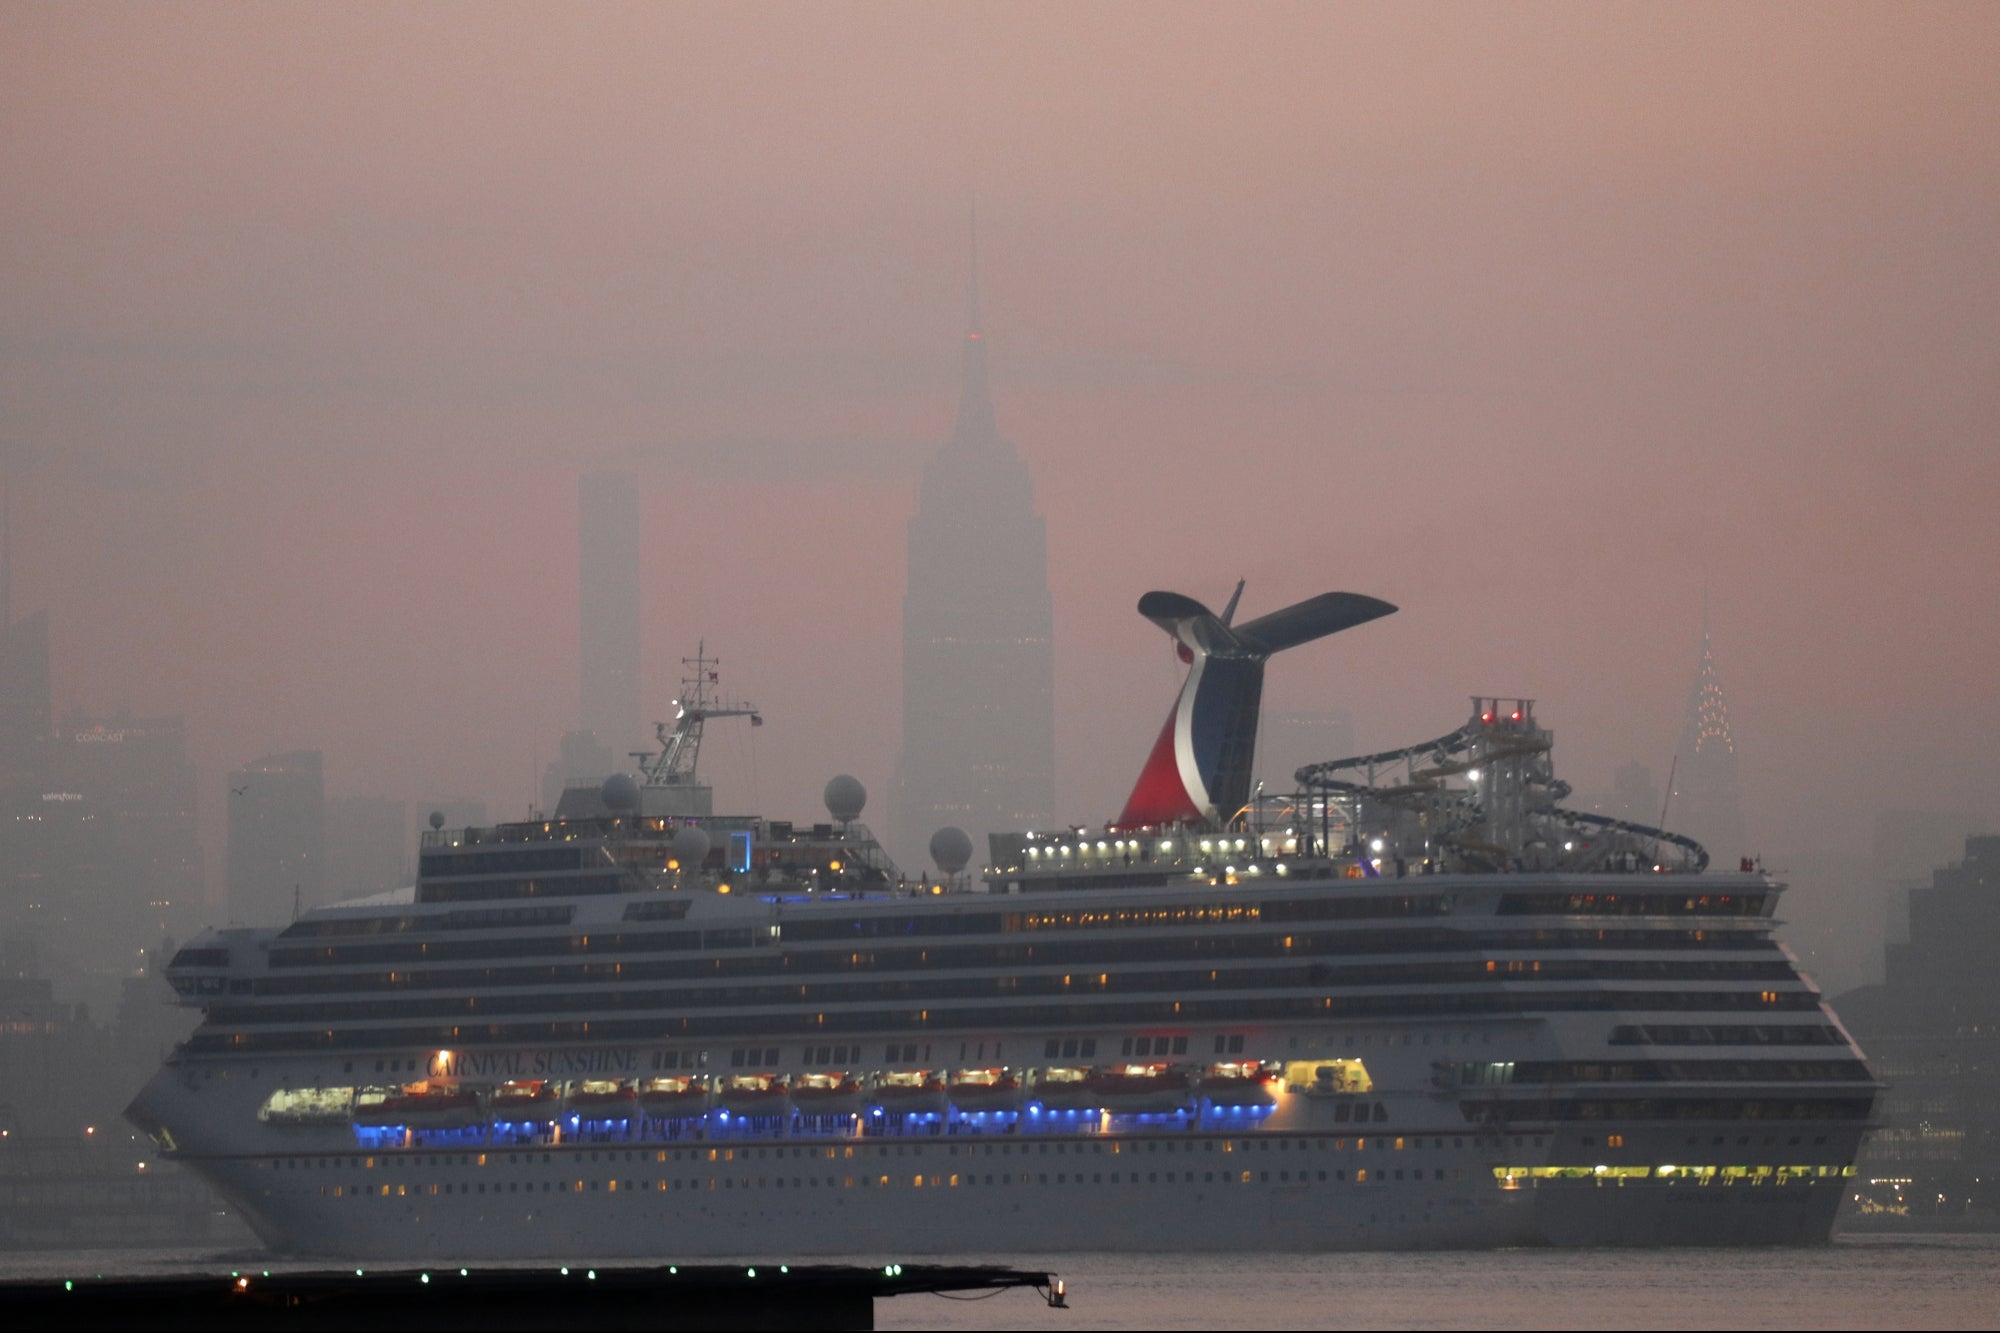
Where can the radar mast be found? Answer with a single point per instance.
(701, 698)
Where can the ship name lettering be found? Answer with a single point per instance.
(533, 1064)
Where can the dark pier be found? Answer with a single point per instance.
(796, 1296)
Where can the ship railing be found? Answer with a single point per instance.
(570, 830)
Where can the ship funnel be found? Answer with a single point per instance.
(1199, 769)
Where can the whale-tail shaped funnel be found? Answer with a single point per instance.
(1199, 770)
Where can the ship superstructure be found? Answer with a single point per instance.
(1392, 1012)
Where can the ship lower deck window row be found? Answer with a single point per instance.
(1699, 1176)
(1727, 1034)
(1666, 1108)
(1632, 904)
(951, 1180)
(880, 1153)
(871, 1167)
(792, 1022)
(1691, 1071)
(938, 988)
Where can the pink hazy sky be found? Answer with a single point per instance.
(1533, 319)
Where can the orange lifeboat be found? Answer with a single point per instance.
(515, 1102)
(1139, 1089)
(603, 1099)
(1237, 1083)
(909, 1092)
(975, 1090)
(825, 1094)
(755, 1095)
(1064, 1089)
(421, 1106)
(684, 1098)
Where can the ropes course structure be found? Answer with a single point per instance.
(1480, 799)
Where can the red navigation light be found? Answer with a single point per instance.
(1487, 718)
(1517, 715)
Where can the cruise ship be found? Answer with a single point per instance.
(1415, 1003)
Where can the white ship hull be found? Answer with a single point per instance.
(1293, 1177)
(940, 1197)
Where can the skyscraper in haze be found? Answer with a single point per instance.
(122, 835)
(26, 744)
(581, 758)
(1707, 802)
(277, 837)
(978, 666)
(25, 716)
(608, 611)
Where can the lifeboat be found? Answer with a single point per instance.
(516, 1102)
(755, 1095)
(1139, 1089)
(421, 1107)
(825, 1094)
(684, 1098)
(909, 1092)
(1237, 1083)
(975, 1090)
(603, 1099)
(1061, 1089)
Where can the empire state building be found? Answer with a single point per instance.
(978, 668)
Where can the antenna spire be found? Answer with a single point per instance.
(975, 398)
(972, 280)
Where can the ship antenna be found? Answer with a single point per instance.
(1229, 612)
(972, 279)
(680, 745)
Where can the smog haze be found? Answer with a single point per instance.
(1552, 325)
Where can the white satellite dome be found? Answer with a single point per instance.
(691, 846)
(845, 797)
(951, 848)
(620, 794)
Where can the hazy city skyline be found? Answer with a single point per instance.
(1533, 322)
